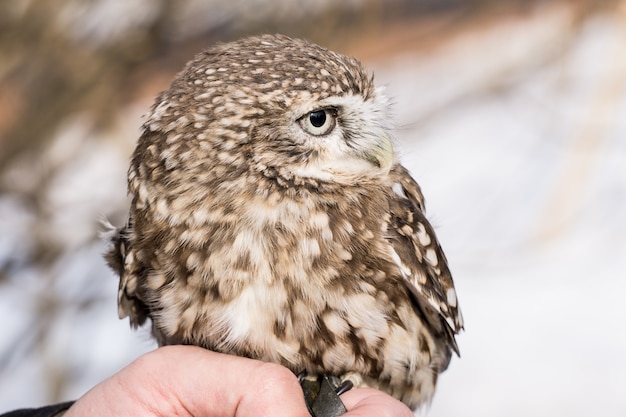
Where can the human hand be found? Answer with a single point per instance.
(189, 381)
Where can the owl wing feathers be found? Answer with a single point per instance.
(421, 258)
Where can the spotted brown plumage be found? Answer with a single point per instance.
(270, 219)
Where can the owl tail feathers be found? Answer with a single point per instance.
(112, 236)
(119, 258)
(321, 394)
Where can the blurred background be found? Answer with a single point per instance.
(510, 114)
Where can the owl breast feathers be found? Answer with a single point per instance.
(270, 219)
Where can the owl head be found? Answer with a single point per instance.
(268, 105)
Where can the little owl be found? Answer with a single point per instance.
(271, 219)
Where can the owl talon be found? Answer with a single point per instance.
(344, 387)
(321, 396)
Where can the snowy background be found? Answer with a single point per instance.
(513, 120)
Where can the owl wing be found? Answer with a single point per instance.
(421, 258)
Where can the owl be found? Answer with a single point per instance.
(271, 219)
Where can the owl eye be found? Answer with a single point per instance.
(318, 122)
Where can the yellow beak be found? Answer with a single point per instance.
(381, 153)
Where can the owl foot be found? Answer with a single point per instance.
(321, 394)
